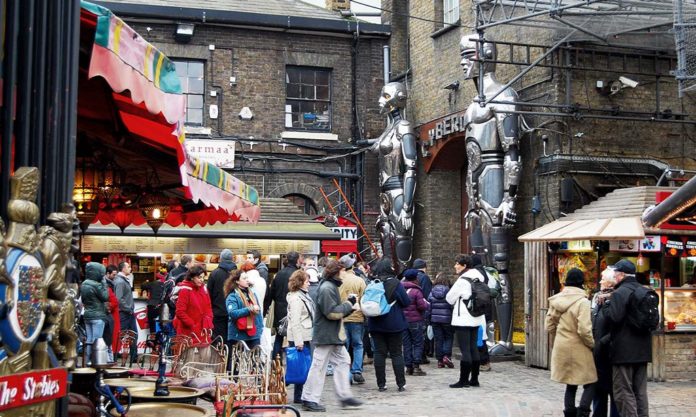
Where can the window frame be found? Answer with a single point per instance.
(186, 93)
(328, 101)
(448, 10)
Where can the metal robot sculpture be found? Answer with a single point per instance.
(397, 154)
(493, 175)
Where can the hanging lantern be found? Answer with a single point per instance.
(86, 181)
(110, 180)
(155, 208)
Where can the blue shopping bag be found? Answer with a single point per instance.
(298, 364)
(479, 341)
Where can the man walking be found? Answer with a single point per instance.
(215, 286)
(328, 339)
(277, 295)
(630, 348)
(126, 312)
(354, 324)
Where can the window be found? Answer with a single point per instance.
(191, 74)
(308, 98)
(450, 12)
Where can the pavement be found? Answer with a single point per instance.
(509, 389)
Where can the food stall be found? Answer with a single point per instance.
(601, 234)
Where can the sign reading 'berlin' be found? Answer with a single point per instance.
(446, 126)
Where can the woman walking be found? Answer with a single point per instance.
(244, 310)
(193, 311)
(465, 325)
(441, 320)
(300, 318)
(572, 363)
(386, 329)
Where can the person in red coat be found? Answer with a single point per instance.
(193, 310)
(113, 308)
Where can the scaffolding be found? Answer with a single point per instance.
(662, 32)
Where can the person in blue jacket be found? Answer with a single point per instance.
(386, 330)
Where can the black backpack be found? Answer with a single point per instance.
(644, 312)
(480, 301)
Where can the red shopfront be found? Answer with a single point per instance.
(348, 229)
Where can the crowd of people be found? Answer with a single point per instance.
(604, 344)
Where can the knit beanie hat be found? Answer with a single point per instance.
(411, 274)
(419, 263)
(94, 271)
(347, 261)
(226, 255)
(575, 278)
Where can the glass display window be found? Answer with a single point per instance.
(680, 309)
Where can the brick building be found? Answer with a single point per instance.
(595, 141)
(291, 84)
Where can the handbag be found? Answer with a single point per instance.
(298, 364)
(242, 323)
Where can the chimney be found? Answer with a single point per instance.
(338, 5)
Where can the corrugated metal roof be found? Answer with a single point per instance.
(273, 7)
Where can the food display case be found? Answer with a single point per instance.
(680, 309)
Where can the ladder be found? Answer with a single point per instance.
(352, 211)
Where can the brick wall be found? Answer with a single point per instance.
(679, 357)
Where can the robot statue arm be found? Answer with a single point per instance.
(409, 151)
(508, 129)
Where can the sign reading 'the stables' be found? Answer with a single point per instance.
(32, 387)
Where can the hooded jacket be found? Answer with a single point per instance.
(569, 320)
(459, 295)
(330, 312)
(440, 309)
(193, 311)
(216, 284)
(418, 308)
(94, 294)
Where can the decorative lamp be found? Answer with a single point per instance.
(85, 192)
(110, 180)
(155, 208)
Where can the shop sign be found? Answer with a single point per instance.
(217, 152)
(446, 126)
(690, 247)
(673, 246)
(649, 244)
(576, 246)
(32, 387)
(347, 233)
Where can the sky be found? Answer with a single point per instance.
(357, 8)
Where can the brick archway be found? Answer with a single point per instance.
(309, 191)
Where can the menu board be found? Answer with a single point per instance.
(282, 246)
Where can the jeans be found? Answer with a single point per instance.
(467, 337)
(297, 393)
(354, 337)
(444, 336)
(278, 346)
(94, 330)
(413, 343)
(585, 399)
(321, 356)
(128, 323)
(153, 313)
(630, 383)
(392, 344)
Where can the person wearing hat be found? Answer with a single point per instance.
(354, 323)
(427, 286)
(630, 349)
(569, 324)
(415, 314)
(94, 296)
(215, 287)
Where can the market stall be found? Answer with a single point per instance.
(601, 234)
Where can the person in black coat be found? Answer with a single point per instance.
(277, 295)
(630, 349)
(215, 286)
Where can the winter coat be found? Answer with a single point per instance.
(602, 355)
(440, 309)
(352, 284)
(94, 295)
(237, 309)
(418, 308)
(193, 310)
(300, 317)
(459, 295)
(258, 285)
(328, 320)
(116, 328)
(277, 294)
(394, 321)
(216, 285)
(123, 292)
(154, 289)
(263, 271)
(178, 273)
(313, 290)
(627, 345)
(569, 320)
(425, 283)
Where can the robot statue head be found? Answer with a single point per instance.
(469, 48)
(393, 97)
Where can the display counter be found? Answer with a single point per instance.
(679, 309)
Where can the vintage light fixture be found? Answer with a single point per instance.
(85, 192)
(184, 32)
(155, 208)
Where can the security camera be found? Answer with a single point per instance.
(454, 86)
(627, 82)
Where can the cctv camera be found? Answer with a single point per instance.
(628, 82)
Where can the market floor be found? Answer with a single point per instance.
(510, 389)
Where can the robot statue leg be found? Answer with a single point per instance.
(500, 253)
(387, 238)
(403, 246)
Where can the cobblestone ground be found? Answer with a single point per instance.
(510, 389)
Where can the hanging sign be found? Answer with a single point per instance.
(673, 245)
(218, 152)
(690, 246)
(32, 387)
(650, 244)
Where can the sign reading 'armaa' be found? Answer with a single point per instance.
(446, 126)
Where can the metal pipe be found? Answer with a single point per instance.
(9, 85)
(25, 85)
(387, 63)
(680, 200)
(579, 116)
(539, 13)
(71, 103)
(580, 28)
(38, 115)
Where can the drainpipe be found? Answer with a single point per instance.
(387, 63)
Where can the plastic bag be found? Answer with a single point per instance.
(298, 364)
(266, 342)
(429, 332)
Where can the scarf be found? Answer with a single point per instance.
(248, 301)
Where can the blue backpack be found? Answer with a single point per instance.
(374, 300)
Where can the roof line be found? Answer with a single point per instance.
(245, 18)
